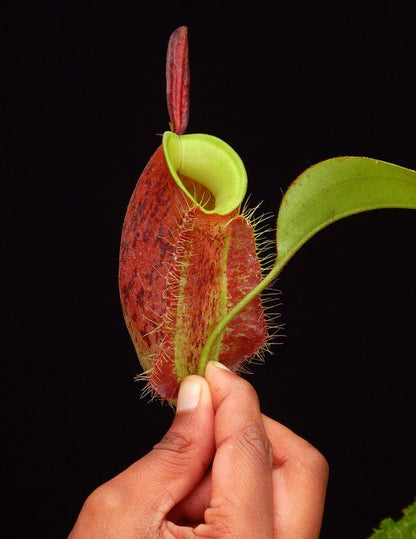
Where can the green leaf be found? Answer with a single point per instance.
(404, 528)
(323, 194)
(337, 188)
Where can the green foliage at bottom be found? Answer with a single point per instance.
(404, 528)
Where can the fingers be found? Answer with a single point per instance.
(241, 479)
(136, 502)
(300, 478)
(265, 481)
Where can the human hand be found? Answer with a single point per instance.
(264, 481)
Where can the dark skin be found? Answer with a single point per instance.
(222, 470)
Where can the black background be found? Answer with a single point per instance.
(286, 87)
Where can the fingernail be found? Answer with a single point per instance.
(220, 365)
(189, 395)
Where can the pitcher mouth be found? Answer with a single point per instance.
(199, 193)
(208, 170)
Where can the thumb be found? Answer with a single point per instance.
(179, 461)
(136, 502)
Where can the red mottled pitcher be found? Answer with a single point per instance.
(187, 255)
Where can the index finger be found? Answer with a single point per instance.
(242, 488)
